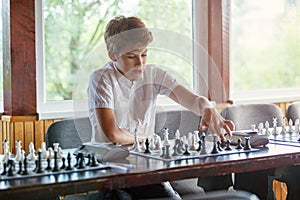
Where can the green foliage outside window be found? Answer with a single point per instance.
(74, 28)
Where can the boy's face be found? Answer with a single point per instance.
(131, 64)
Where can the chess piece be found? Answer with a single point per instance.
(260, 128)
(48, 168)
(219, 146)
(20, 167)
(163, 149)
(247, 144)
(186, 152)
(147, 150)
(175, 148)
(39, 163)
(44, 150)
(157, 142)
(63, 166)
(25, 172)
(55, 167)
(204, 147)
(59, 153)
(4, 169)
(31, 156)
(275, 131)
(93, 161)
(166, 137)
(239, 144)
(290, 130)
(11, 166)
(267, 126)
(50, 153)
(177, 134)
(18, 150)
(136, 140)
(199, 145)
(193, 140)
(253, 126)
(167, 153)
(283, 127)
(228, 147)
(69, 167)
(215, 147)
(297, 126)
(6, 152)
(81, 163)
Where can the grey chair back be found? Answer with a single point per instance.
(69, 133)
(244, 115)
(293, 111)
(183, 120)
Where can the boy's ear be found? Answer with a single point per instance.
(112, 56)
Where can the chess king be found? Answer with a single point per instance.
(122, 94)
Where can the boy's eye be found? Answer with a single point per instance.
(130, 56)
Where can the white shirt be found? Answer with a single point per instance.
(133, 102)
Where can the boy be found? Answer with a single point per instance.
(122, 94)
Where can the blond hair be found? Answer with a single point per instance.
(123, 34)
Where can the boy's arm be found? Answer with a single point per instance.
(107, 121)
(211, 118)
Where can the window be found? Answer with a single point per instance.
(71, 36)
(265, 49)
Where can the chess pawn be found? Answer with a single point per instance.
(267, 125)
(55, 147)
(50, 153)
(290, 130)
(59, 153)
(18, 150)
(166, 137)
(260, 128)
(297, 126)
(31, 156)
(177, 134)
(158, 143)
(283, 127)
(193, 141)
(5, 147)
(44, 153)
(143, 147)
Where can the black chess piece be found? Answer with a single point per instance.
(215, 148)
(186, 152)
(39, 163)
(228, 147)
(69, 159)
(163, 149)
(25, 172)
(55, 167)
(4, 169)
(89, 160)
(36, 165)
(93, 161)
(147, 150)
(219, 143)
(247, 144)
(48, 168)
(81, 163)
(11, 166)
(20, 167)
(239, 144)
(199, 145)
(63, 165)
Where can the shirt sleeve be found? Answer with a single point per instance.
(100, 94)
(167, 83)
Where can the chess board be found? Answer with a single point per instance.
(292, 139)
(157, 154)
(17, 171)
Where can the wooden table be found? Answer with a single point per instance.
(148, 171)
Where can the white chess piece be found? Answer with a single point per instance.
(297, 126)
(166, 137)
(267, 125)
(290, 131)
(18, 150)
(260, 128)
(5, 150)
(193, 141)
(177, 134)
(158, 143)
(59, 153)
(55, 147)
(283, 127)
(50, 153)
(31, 156)
(44, 153)
(275, 131)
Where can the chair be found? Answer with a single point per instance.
(244, 115)
(293, 111)
(69, 133)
